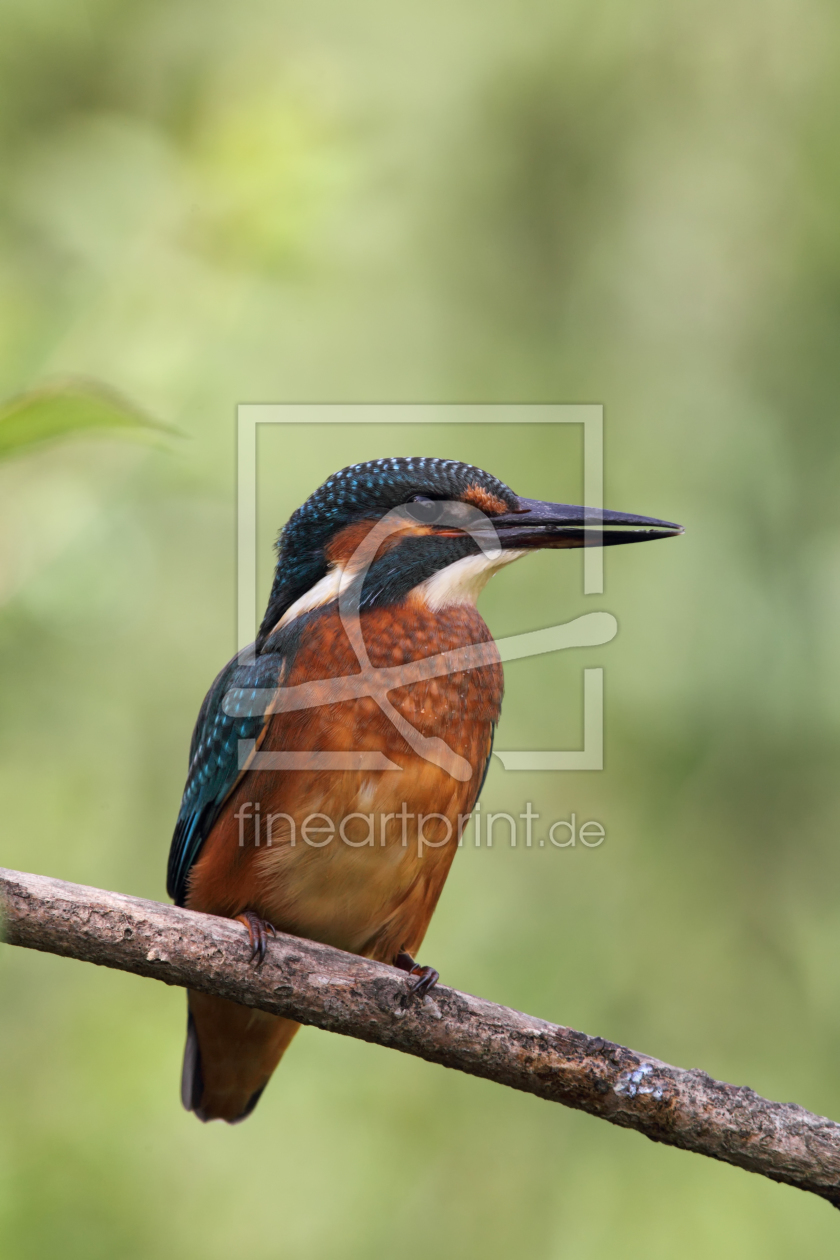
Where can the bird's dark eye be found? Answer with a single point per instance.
(424, 510)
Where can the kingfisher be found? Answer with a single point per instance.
(335, 761)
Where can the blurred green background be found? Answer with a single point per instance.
(635, 204)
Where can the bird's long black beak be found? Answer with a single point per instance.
(537, 524)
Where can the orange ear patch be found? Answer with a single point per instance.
(342, 548)
(486, 502)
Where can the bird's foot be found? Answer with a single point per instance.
(258, 933)
(427, 977)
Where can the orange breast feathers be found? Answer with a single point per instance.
(357, 858)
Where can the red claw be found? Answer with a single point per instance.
(258, 932)
(427, 977)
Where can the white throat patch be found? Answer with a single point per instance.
(459, 583)
(463, 581)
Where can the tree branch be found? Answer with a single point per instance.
(346, 994)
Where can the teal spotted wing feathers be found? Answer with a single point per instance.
(231, 712)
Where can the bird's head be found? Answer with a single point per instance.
(445, 528)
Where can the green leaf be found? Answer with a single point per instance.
(68, 407)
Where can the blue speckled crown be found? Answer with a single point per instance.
(362, 490)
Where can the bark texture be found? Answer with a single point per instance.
(342, 993)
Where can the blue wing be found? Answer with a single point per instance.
(214, 758)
